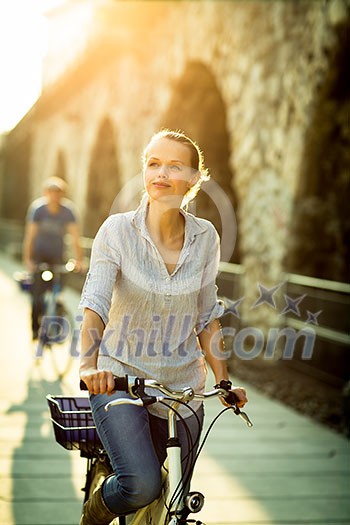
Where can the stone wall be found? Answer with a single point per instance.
(245, 79)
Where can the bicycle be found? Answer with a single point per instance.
(74, 429)
(56, 321)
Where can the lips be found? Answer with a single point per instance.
(161, 184)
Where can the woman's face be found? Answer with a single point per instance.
(167, 170)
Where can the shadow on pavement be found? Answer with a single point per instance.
(43, 490)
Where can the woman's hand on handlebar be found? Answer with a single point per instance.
(98, 381)
(240, 397)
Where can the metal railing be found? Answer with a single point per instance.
(330, 359)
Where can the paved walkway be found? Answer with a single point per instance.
(285, 470)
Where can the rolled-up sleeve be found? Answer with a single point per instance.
(209, 306)
(104, 266)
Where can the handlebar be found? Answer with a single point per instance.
(50, 271)
(135, 386)
(66, 267)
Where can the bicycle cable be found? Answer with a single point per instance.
(187, 479)
(181, 487)
(200, 448)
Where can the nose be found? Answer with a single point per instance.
(163, 171)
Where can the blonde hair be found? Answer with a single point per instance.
(197, 158)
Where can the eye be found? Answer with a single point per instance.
(153, 164)
(175, 167)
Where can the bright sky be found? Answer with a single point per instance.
(22, 47)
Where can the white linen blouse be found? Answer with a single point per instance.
(152, 318)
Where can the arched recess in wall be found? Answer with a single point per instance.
(103, 179)
(61, 168)
(319, 244)
(198, 109)
(15, 185)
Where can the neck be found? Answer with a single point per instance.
(164, 221)
(53, 207)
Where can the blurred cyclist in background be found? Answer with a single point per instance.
(49, 218)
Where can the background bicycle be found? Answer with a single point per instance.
(53, 342)
(74, 429)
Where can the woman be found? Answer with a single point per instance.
(151, 310)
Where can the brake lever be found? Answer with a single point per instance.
(232, 399)
(243, 415)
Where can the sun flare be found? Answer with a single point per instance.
(22, 48)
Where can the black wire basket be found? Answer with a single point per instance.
(73, 424)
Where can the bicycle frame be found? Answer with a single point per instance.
(56, 322)
(52, 274)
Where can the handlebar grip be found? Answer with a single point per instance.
(231, 398)
(120, 383)
(83, 385)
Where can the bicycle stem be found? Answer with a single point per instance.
(174, 461)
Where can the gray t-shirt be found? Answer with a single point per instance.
(49, 242)
(152, 317)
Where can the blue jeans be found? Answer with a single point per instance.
(135, 442)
